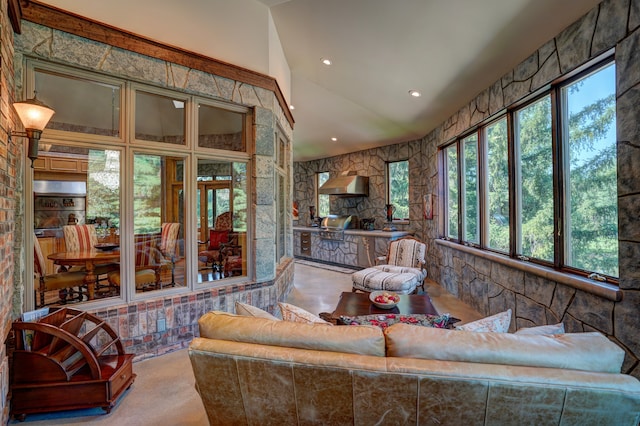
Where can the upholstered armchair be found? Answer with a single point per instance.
(65, 282)
(402, 270)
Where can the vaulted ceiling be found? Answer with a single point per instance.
(448, 50)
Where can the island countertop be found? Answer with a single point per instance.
(362, 232)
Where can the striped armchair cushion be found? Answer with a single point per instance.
(169, 238)
(80, 237)
(407, 252)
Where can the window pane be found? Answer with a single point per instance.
(591, 187)
(91, 201)
(281, 215)
(535, 180)
(498, 185)
(159, 118)
(219, 128)
(81, 105)
(223, 251)
(470, 188)
(324, 208)
(451, 164)
(158, 221)
(399, 188)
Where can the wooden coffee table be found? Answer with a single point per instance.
(355, 304)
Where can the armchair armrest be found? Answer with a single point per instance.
(381, 260)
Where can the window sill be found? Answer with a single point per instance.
(601, 289)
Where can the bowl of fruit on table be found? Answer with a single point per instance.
(384, 299)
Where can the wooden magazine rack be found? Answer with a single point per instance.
(67, 360)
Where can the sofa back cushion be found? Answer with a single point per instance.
(364, 340)
(575, 351)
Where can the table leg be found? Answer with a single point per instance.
(90, 280)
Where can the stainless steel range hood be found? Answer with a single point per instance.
(346, 185)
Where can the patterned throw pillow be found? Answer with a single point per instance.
(385, 320)
(543, 329)
(498, 323)
(295, 314)
(247, 310)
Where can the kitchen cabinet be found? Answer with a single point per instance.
(305, 244)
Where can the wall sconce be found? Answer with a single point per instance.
(34, 115)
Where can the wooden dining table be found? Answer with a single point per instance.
(89, 259)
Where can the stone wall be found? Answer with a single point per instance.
(492, 287)
(536, 295)
(371, 163)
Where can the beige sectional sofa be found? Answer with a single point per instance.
(258, 371)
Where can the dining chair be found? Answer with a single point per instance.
(218, 239)
(64, 282)
(80, 237)
(169, 245)
(84, 237)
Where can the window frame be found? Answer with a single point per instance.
(320, 196)
(388, 166)
(559, 179)
(128, 146)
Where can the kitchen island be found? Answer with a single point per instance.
(359, 248)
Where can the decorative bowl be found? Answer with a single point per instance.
(106, 246)
(384, 299)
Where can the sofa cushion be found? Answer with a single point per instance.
(575, 351)
(385, 320)
(543, 329)
(251, 311)
(295, 314)
(363, 340)
(498, 323)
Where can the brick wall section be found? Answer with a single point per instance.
(136, 323)
(11, 169)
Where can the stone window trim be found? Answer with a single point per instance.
(601, 289)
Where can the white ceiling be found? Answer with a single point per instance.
(449, 50)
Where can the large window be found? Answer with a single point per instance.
(159, 208)
(534, 180)
(452, 202)
(591, 207)
(471, 222)
(548, 184)
(324, 206)
(398, 188)
(497, 186)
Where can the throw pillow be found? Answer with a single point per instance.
(385, 320)
(498, 323)
(543, 329)
(295, 314)
(251, 311)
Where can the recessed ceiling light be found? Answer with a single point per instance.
(334, 139)
(415, 93)
(326, 61)
(291, 107)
